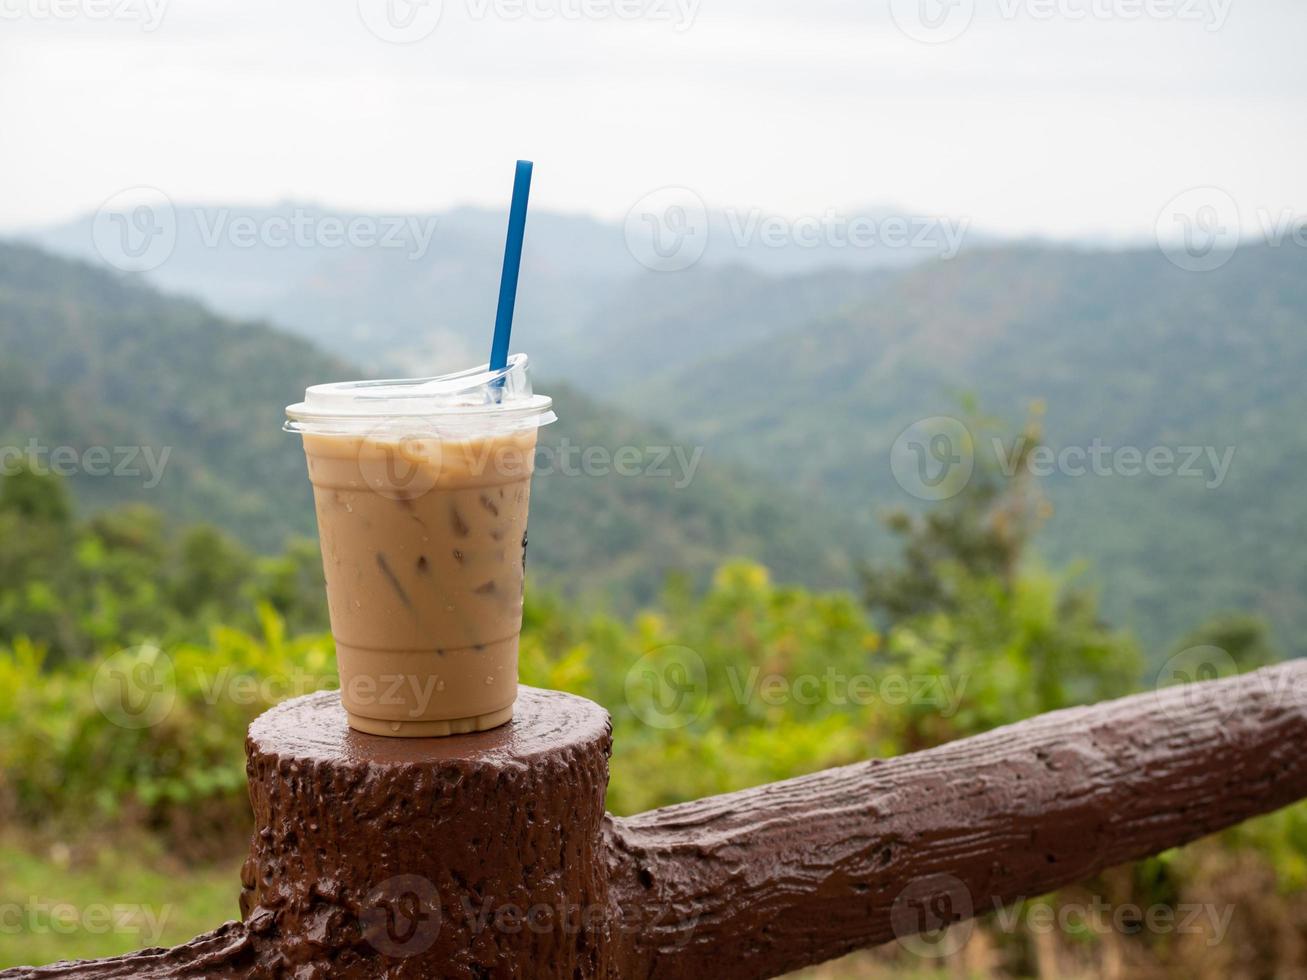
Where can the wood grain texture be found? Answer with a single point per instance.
(760, 882)
(466, 857)
(745, 885)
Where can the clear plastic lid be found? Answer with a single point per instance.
(471, 399)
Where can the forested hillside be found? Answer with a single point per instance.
(1122, 351)
(93, 359)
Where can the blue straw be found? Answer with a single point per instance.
(512, 262)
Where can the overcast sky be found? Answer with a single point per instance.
(1054, 117)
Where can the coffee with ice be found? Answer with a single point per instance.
(422, 489)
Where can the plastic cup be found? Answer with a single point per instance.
(422, 489)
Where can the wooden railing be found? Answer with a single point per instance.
(491, 855)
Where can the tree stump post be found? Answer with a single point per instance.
(490, 855)
(454, 857)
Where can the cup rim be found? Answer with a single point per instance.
(475, 395)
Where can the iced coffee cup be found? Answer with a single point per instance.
(422, 489)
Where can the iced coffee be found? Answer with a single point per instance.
(422, 491)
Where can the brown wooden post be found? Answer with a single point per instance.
(489, 855)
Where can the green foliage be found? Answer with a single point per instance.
(104, 897)
(94, 360)
(76, 588)
(1124, 349)
(1247, 639)
(967, 606)
(72, 753)
(133, 654)
(983, 530)
(753, 659)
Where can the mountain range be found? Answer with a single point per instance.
(415, 293)
(801, 370)
(99, 362)
(1123, 353)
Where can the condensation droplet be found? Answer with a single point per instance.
(490, 680)
(440, 685)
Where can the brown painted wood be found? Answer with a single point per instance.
(757, 883)
(744, 885)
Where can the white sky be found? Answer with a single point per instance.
(1055, 117)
